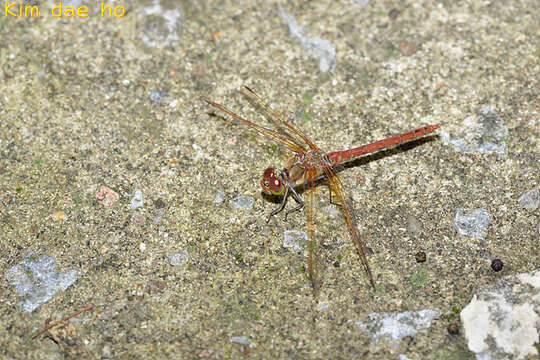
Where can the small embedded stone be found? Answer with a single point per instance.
(497, 265)
(420, 257)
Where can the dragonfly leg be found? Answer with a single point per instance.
(298, 200)
(281, 206)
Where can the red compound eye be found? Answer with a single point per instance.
(271, 183)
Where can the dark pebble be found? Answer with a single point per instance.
(159, 204)
(420, 257)
(393, 14)
(368, 251)
(497, 265)
(453, 329)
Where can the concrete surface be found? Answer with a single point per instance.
(113, 102)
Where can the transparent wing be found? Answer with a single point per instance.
(283, 139)
(337, 187)
(283, 127)
(315, 259)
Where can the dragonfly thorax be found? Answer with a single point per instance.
(272, 183)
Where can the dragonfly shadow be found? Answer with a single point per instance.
(276, 199)
(362, 160)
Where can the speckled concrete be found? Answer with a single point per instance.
(86, 103)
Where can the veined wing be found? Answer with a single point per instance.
(272, 116)
(285, 140)
(315, 263)
(335, 184)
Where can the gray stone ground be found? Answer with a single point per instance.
(196, 271)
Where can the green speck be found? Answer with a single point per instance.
(302, 268)
(32, 258)
(453, 314)
(392, 52)
(239, 258)
(308, 98)
(306, 117)
(208, 58)
(29, 273)
(339, 257)
(381, 13)
(420, 278)
(272, 149)
(380, 289)
(18, 189)
(38, 162)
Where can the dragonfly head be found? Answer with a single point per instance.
(271, 182)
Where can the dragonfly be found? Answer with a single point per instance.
(306, 167)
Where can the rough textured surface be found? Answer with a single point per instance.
(86, 103)
(37, 281)
(503, 320)
(395, 326)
